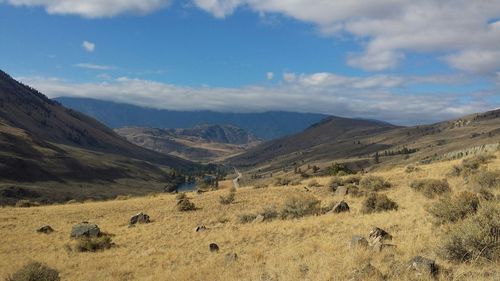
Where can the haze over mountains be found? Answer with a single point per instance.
(266, 125)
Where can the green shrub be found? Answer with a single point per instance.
(35, 271)
(299, 206)
(455, 208)
(228, 199)
(374, 183)
(375, 202)
(475, 237)
(339, 169)
(430, 187)
(93, 244)
(185, 205)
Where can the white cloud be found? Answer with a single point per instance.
(88, 46)
(390, 28)
(368, 97)
(94, 66)
(270, 75)
(94, 8)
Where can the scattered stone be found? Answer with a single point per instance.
(341, 191)
(214, 247)
(423, 266)
(200, 228)
(340, 207)
(378, 235)
(367, 272)
(85, 229)
(231, 257)
(47, 229)
(259, 219)
(358, 241)
(139, 218)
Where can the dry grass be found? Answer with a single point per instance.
(309, 248)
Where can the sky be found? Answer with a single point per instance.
(402, 61)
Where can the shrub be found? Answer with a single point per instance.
(411, 169)
(354, 191)
(260, 185)
(334, 183)
(23, 203)
(185, 205)
(377, 203)
(246, 218)
(35, 271)
(314, 183)
(269, 213)
(228, 199)
(181, 196)
(453, 209)
(374, 183)
(282, 181)
(430, 187)
(337, 169)
(354, 179)
(476, 237)
(94, 244)
(471, 165)
(487, 179)
(299, 206)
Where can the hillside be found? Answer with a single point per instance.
(202, 143)
(314, 247)
(338, 140)
(265, 125)
(42, 141)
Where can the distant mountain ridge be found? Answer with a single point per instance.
(265, 125)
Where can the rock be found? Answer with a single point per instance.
(47, 229)
(378, 235)
(423, 266)
(200, 228)
(213, 247)
(367, 272)
(139, 218)
(258, 219)
(340, 208)
(85, 229)
(358, 241)
(341, 191)
(231, 257)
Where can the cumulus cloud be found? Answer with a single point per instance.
(94, 8)
(88, 46)
(367, 97)
(270, 75)
(461, 30)
(94, 66)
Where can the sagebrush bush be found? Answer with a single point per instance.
(475, 237)
(411, 169)
(185, 205)
(352, 179)
(314, 183)
(260, 185)
(228, 199)
(486, 179)
(430, 187)
(23, 203)
(470, 165)
(269, 213)
(354, 191)
(299, 206)
(93, 244)
(35, 271)
(374, 183)
(247, 218)
(181, 196)
(375, 202)
(454, 208)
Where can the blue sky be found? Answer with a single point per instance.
(393, 60)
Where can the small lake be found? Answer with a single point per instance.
(187, 186)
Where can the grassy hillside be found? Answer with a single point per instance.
(314, 247)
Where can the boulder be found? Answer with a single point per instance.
(139, 218)
(258, 219)
(85, 229)
(423, 266)
(213, 247)
(47, 229)
(378, 235)
(200, 228)
(341, 191)
(358, 241)
(340, 207)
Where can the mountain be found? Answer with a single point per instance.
(358, 141)
(202, 143)
(266, 125)
(41, 141)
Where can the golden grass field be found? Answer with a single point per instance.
(311, 248)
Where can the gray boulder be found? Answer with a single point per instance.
(139, 218)
(47, 229)
(213, 247)
(423, 266)
(341, 191)
(340, 207)
(85, 229)
(259, 218)
(378, 235)
(200, 228)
